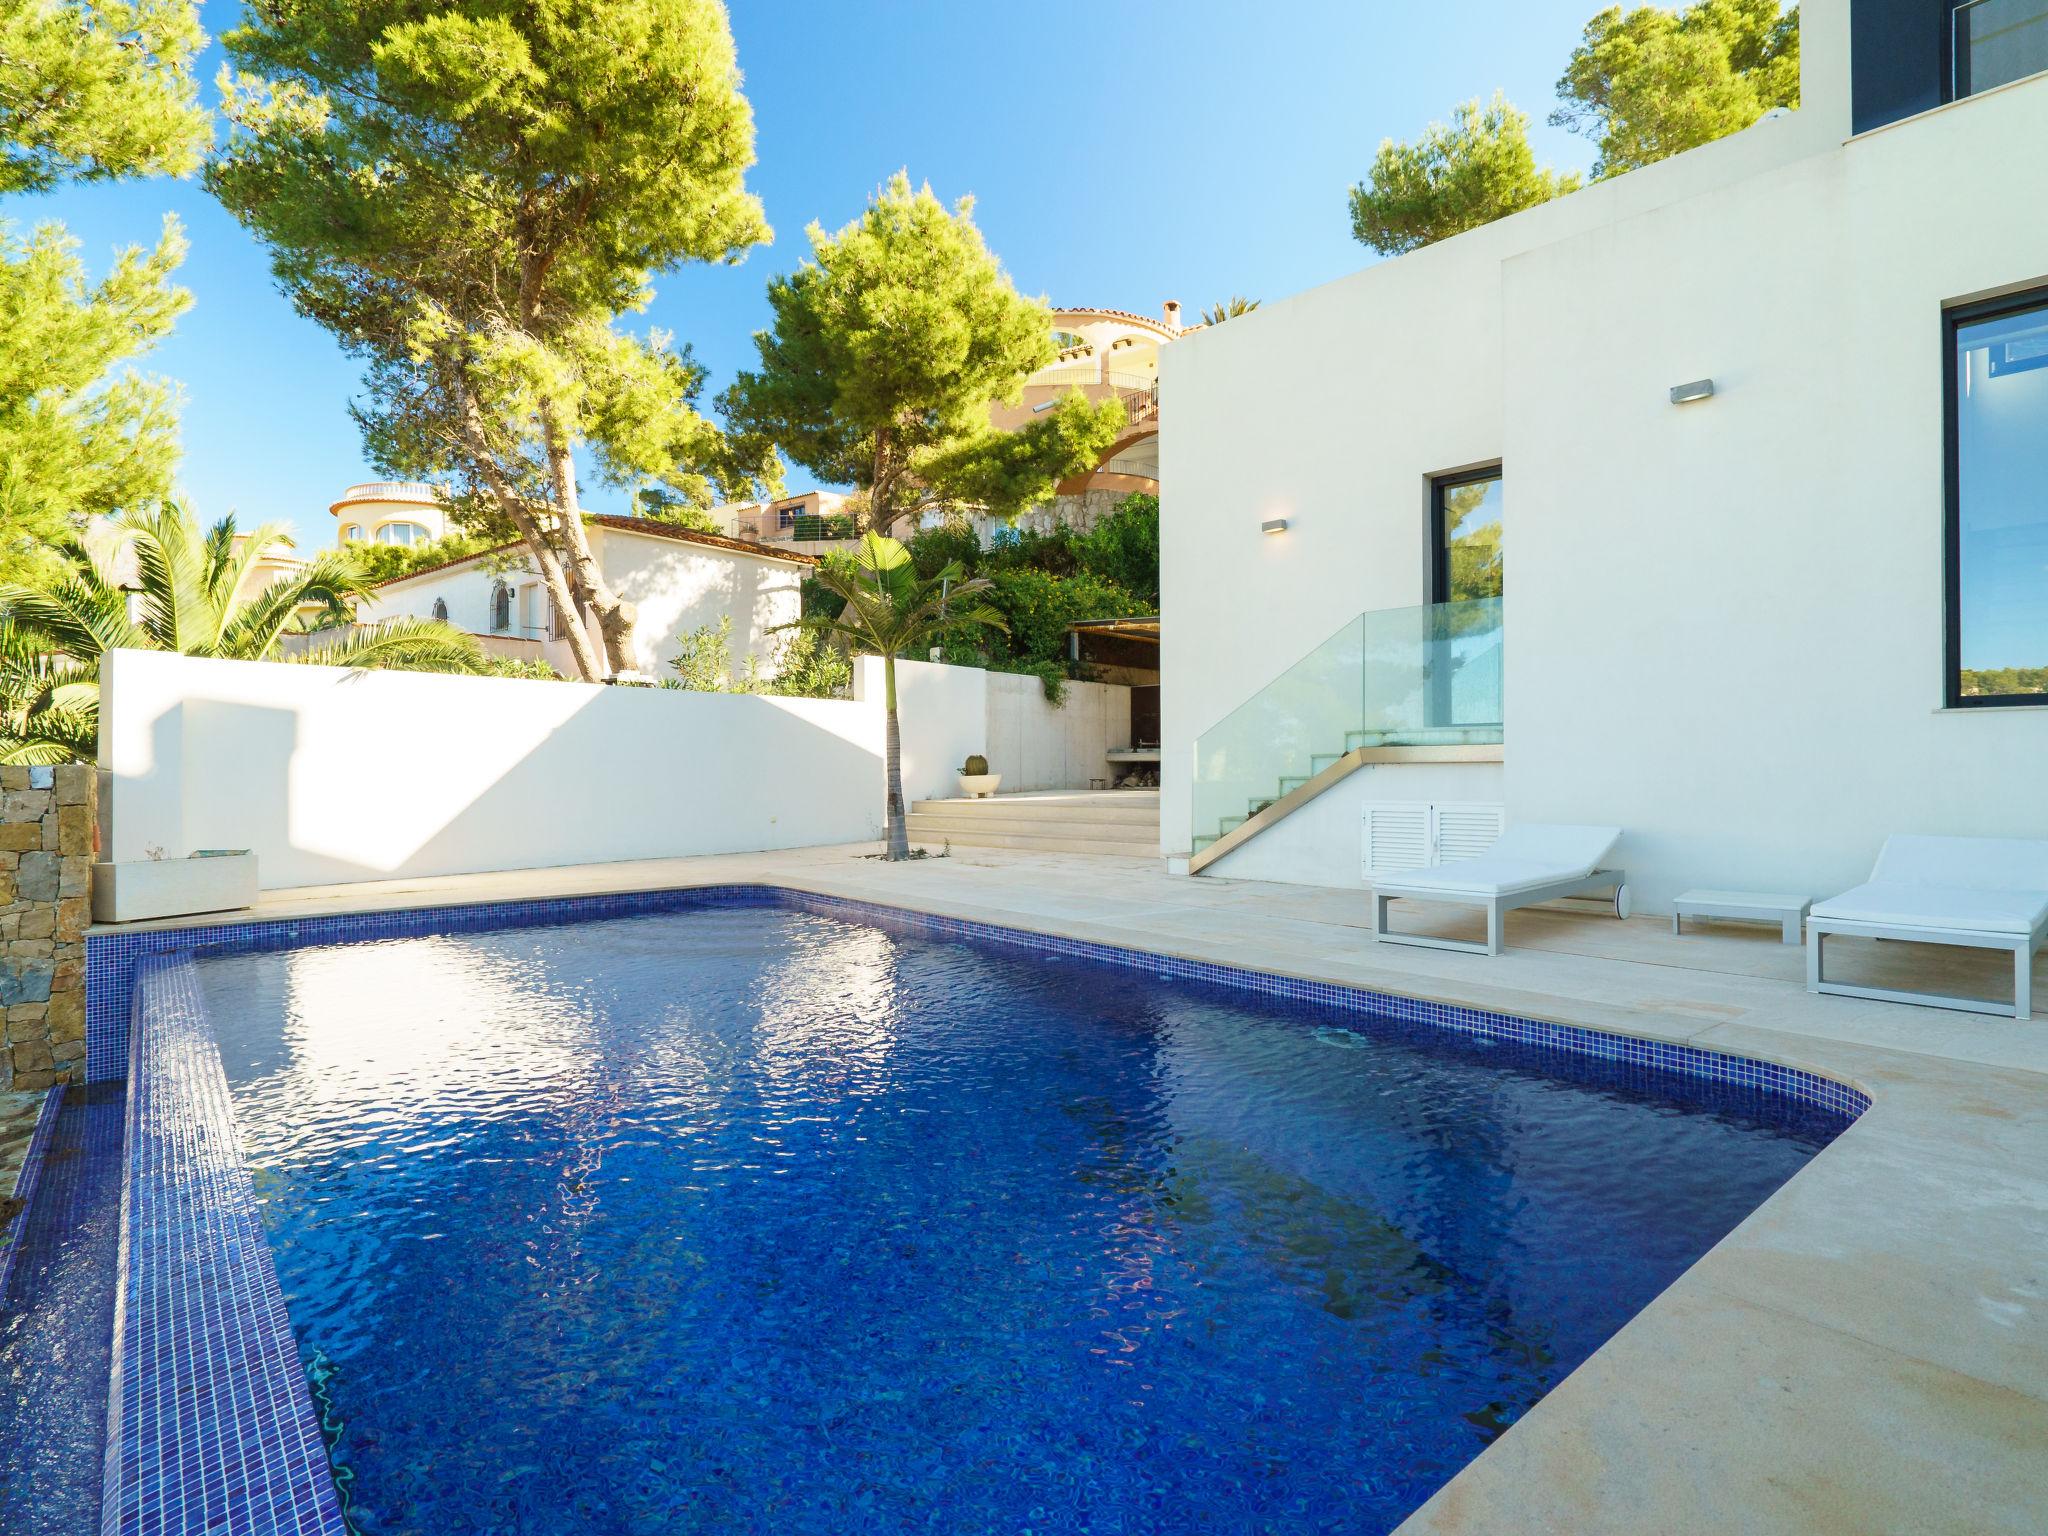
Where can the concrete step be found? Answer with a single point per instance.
(957, 827)
(923, 832)
(1107, 809)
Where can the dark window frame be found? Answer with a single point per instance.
(1439, 563)
(1953, 320)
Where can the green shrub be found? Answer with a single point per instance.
(505, 666)
(1124, 548)
(807, 665)
(383, 562)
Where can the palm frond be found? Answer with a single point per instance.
(168, 564)
(889, 608)
(49, 703)
(81, 615)
(410, 645)
(227, 567)
(329, 580)
(53, 738)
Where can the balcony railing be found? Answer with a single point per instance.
(1998, 42)
(771, 527)
(1395, 677)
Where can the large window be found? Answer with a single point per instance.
(1465, 529)
(403, 533)
(1998, 503)
(1996, 42)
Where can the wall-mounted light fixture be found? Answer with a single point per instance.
(1685, 394)
(1273, 525)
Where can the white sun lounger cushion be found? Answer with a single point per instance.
(1973, 863)
(1909, 904)
(1527, 855)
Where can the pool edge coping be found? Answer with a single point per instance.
(25, 1180)
(230, 1209)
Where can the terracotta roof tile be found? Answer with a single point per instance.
(647, 527)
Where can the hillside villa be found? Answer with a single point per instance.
(678, 579)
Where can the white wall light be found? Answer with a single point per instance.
(1273, 525)
(1685, 394)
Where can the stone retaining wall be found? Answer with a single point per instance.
(48, 821)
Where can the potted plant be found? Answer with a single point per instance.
(976, 782)
(211, 880)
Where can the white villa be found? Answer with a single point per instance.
(678, 579)
(1766, 428)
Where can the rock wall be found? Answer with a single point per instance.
(48, 818)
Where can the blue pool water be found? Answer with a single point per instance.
(752, 1220)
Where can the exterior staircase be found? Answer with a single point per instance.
(1120, 822)
(1357, 745)
(1393, 685)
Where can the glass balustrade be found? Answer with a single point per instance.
(1395, 677)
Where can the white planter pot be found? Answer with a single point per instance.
(979, 786)
(129, 893)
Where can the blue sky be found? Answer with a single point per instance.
(1120, 154)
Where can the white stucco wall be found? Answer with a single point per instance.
(1724, 620)
(948, 713)
(942, 716)
(1037, 745)
(330, 775)
(1322, 844)
(676, 586)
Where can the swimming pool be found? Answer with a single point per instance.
(758, 1219)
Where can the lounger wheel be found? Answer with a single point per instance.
(1621, 900)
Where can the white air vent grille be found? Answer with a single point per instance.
(1465, 831)
(1397, 835)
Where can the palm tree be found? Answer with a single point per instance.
(49, 704)
(1229, 309)
(54, 634)
(891, 609)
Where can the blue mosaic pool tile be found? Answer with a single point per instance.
(25, 1186)
(210, 1427)
(111, 959)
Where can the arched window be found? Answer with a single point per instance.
(352, 531)
(501, 609)
(402, 533)
(441, 609)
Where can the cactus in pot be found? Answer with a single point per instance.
(976, 782)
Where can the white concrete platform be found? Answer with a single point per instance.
(1867, 1352)
(1121, 822)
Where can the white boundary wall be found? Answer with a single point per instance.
(331, 775)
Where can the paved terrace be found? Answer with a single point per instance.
(1868, 1352)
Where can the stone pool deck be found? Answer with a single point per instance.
(1868, 1352)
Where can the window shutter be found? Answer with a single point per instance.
(1465, 831)
(1394, 836)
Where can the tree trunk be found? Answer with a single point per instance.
(615, 615)
(552, 576)
(560, 592)
(898, 827)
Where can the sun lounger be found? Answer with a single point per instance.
(1977, 892)
(1531, 862)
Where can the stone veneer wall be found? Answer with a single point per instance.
(48, 818)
